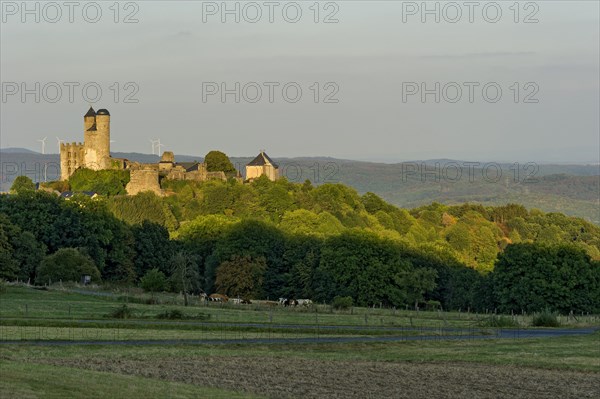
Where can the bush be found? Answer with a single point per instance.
(342, 302)
(499, 321)
(176, 314)
(122, 312)
(2, 286)
(154, 281)
(66, 264)
(433, 305)
(545, 319)
(103, 182)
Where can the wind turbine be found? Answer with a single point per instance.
(154, 142)
(43, 141)
(59, 141)
(159, 145)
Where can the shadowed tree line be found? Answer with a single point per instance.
(278, 239)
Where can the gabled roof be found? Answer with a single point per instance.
(189, 166)
(90, 112)
(262, 159)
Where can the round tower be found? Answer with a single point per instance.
(103, 138)
(89, 119)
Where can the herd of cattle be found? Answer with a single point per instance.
(241, 301)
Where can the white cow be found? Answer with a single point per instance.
(305, 302)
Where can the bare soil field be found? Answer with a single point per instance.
(277, 377)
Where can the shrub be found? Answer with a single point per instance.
(499, 321)
(2, 286)
(122, 312)
(545, 318)
(342, 302)
(174, 314)
(433, 305)
(154, 281)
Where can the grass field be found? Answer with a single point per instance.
(566, 367)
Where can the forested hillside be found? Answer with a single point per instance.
(570, 189)
(272, 239)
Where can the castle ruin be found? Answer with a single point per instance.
(94, 154)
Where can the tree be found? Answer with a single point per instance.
(8, 266)
(184, 274)
(22, 184)
(241, 276)
(153, 248)
(304, 222)
(25, 252)
(66, 264)
(217, 161)
(534, 277)
(153, 281)
(104, 182)
(417, 283)
(254, 239)
(145, 206)
(363, 266)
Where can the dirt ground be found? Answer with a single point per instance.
(305, 378)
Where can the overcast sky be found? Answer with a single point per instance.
(371, 61)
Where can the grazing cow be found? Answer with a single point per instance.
(305, 302)
(240, 301)
(288, 302)
(218, 298)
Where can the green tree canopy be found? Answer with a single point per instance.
(22, 184)
(241, 276)
(217, 161)
(154, 281)
(66, 264)
(534, 277)
(103, 182)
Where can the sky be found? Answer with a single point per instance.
(366, 80)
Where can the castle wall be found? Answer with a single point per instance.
(253, 172)
(141, 180)
(272, 172)
(71, 158)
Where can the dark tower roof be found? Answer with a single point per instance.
(261, 160)
(90, 112)
(103, 112)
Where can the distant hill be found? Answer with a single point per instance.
(17, 150)
(570, 189)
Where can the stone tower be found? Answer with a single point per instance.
(96, 139)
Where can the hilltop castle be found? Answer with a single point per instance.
(94, 154)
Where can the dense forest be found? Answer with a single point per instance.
(280, 239)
